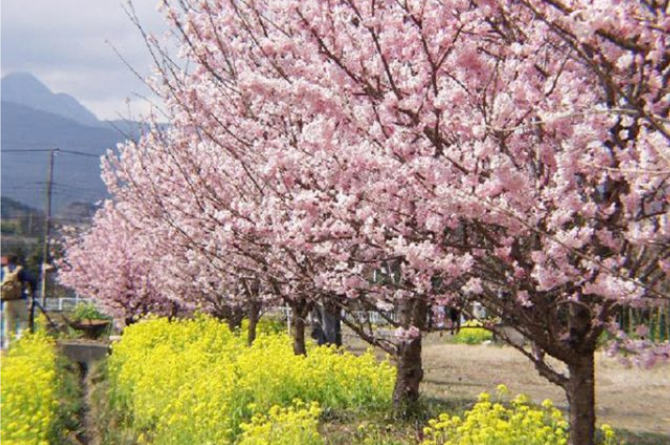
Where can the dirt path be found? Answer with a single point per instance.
(630, 398)
(86, 354)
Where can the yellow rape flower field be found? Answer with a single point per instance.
(194, 382)
(284, 426)
(29, 399)
(492, 423)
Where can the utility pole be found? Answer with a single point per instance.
(47, 226)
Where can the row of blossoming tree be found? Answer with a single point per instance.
(405, 155)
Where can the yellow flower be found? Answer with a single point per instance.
(29, 377)
(488, 423)
(194, 381)
(502, 390)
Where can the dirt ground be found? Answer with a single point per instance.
(630, 398)
(634, 399)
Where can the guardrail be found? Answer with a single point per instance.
(64, 304)
(357, 316)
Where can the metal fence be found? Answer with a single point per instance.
(656, 321)
(373, 317)
(64, 304)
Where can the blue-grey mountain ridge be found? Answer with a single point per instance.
(33, 120)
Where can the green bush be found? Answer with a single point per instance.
(88, 311)
(266, 325)
(375, 433)
(10, 228)
(472, 333)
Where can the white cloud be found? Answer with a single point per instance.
(67, 45)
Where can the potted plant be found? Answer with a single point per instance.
(88, 319)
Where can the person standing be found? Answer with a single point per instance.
(326, 325)
(17, 286)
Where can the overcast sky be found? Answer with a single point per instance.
(64, 44)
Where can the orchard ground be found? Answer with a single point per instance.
(629, 398)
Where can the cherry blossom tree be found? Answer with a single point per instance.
(512, 151)
(208, 204)
(509, 152)
(134, 269)
(109, 264)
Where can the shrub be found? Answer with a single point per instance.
(472, 333)
(266, 325)
(375, 433)
(297, 424)
(29, 399)
(273, 374)
(88, 311)
(193, 381)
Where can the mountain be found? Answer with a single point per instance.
(25, 89)
(76, 212)
(11, 209)
(19, 221)
(27, 127)
(31, 127)
(28, 134)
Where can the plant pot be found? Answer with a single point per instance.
(92, 329)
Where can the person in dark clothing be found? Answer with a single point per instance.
(18, 288)
(455, 319)
(326, 325)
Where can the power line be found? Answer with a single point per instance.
(41, 145)
(61, 188)
(75, 189)
(24, 187)
(57, 150)
(27, 150)
(79, 195)
(80, 153)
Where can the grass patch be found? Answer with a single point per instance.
(70, 402)
(636, 438)
(110, 426)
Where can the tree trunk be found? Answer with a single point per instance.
(234, 319)
(254, 312)
(232, 315)
(411, 312)
(174, 310)
(300, 310)
(332, 324)
(410, 374)
(580, 390)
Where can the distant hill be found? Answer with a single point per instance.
(76, 213)
(35, 120)
(19, 222)
(25, 89)
(11, 209)
(26, 125)
(26, 131)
